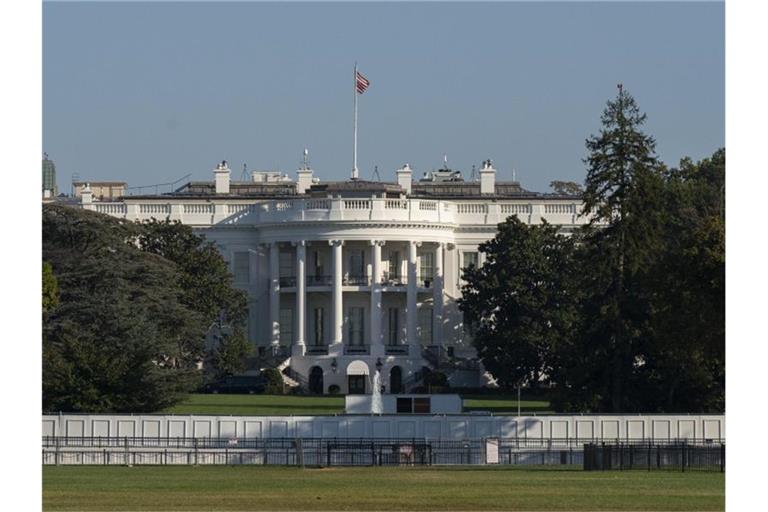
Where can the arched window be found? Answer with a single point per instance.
(396, 380)
(316, 380)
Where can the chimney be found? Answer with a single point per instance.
(487, 178)
(404, 178)
(221, 178)
(86, 197)
(304, 175)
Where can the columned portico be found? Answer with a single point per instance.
(274, 293)
(301, 298)
(338, 307)
(377, 347)
(437, 290)
(411, 298)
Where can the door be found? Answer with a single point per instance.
(356, 384)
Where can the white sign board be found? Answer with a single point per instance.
(491, 451)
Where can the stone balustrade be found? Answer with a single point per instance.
(265, 212)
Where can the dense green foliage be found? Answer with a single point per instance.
(275, 383)
(227, 488)
(127, 335)
(50, 288)
(628, 314)
(568, 188)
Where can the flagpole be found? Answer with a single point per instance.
(354, 145)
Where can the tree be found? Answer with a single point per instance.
(207, 288)
(50, 288)
(520, 302)
(567, 188)
(121, 339)
(622, 194)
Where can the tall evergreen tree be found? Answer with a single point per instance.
(622, 195)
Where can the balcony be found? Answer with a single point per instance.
(393, 280)
(357, 350)
(319, 280)
(361, 280)
(396, 350)
(425, 282)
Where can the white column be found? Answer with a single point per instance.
(410, 308)
(338, 312)
(437, 290)
(301, 298)
(274, 292)
(376, 344)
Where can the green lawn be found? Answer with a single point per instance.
(255, 405)
(230, 488)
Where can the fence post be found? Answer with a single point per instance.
(58, 443)
(125, 448)
(722, 457)
(195, 443)
(682, 456)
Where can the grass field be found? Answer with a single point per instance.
(229, 488)
(298, 405)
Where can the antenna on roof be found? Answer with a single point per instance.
(445, 161)
(305, 165)
(244, 174)
(473, 177)
(376, 174)
(513, 174)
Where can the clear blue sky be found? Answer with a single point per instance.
(147, 93)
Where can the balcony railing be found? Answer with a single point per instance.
(317, 350)
(319, 280)
(287, 282)
(357, 349)
(425, 281)
(361, 280)
(396, 350)
(393, 280)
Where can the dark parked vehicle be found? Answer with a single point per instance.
(237, 384)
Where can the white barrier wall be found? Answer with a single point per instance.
(443, 426)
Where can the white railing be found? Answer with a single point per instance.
(163, 209)
(357, 204)
(516, 209)
(471, 208)
(111, 208)
(232, 209)
(560, 208)
(473, 213)
(396, 204)
(198, 209)
(317, 204)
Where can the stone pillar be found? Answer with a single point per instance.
(377, 347)
(437, 290)
(411, 298)
(338, 311)
(301, 298)
(274, 292)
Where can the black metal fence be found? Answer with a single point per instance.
(678, 456)
(347, 451)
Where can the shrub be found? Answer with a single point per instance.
(274, 378)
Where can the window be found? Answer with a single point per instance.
(393, 325)
(425, 325)
(356, 384)
(242, 268)
(404, 405)
(317, 258)
(286, 264)
(319, 327)
(286, 326)
(469, 259)
(427, 265)
(356, 319)
(357, 263)
(394, 265)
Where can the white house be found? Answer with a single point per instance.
(344, 278)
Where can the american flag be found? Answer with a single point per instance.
(362, 83)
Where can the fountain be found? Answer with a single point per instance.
(377, 406)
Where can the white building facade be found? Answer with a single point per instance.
(347, 278)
